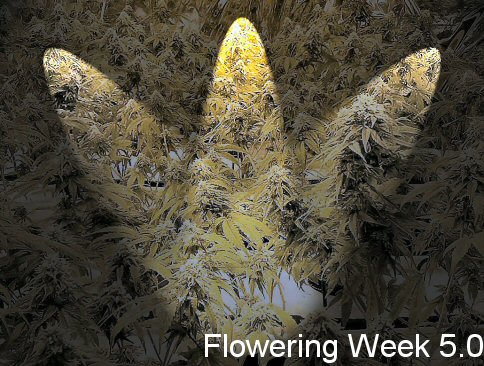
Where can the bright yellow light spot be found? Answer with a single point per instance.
(61, 67)
(243, 96)
(96, 95)
(415, 76)
(242, 57)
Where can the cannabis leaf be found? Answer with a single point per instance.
(228, 189)
(203, 181)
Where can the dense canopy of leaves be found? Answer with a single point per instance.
(158, 185)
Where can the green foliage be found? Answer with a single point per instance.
(181, 180)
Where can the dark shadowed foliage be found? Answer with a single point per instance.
(147, 200)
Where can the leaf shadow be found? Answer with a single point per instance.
(268, 21)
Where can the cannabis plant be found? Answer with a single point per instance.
(258, 169)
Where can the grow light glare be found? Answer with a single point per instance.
(242, 55)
